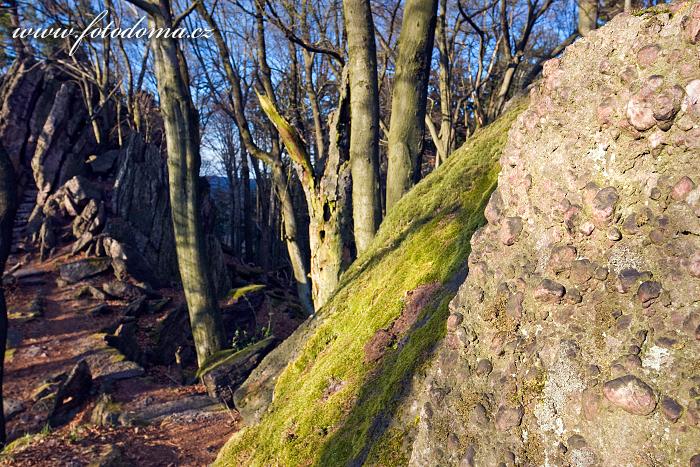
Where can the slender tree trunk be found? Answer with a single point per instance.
(409, 98)
(233, 240)
(246, 204)
(315, 107)
(182, 137)
(8, 208)
(261, 211)
(444, 78)
(587, 16)
(628, 6)
(364, 121)
(291, 234)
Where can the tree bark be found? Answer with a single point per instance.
(181, 124)
(446, 134)
(364, 121)
(587, 16)
(407, 124)
(247, 209)
(326, 199)
(8, 208)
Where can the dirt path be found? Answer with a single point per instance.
(51, 344)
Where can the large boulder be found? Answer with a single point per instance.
(583, 328)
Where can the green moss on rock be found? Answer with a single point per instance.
(424, 240)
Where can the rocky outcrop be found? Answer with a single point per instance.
(65, 141)
(141, 206)
(114, 200)
(575, 338)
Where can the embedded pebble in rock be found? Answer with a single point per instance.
(483, 368)
(671, 409)
(681, 189)
(694, 264)
(479, 415)
(510, 229)
(631, 394)
(648, 291)
(587, 228)
(640, 113)
(602, 169)
(508, 417)
(692, 100)
(454, 320)
(604, 204)
(667, 104)
(647, 55)
(549, 291)
(614, 234)
(561, 258)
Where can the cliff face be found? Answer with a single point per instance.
(575, 338)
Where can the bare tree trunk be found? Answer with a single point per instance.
(446, 134)
(182, 137)
(364, 122)
(246, 205)
(587, 16)
(628, 6)
(326, 199)
(409, 98)
(8, 208)
(232, 186)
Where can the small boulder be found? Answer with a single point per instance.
(71, 394)
(223, 374)
(103, 163)
(90, 291)
(84, 268)
(11, 407)
(106, 412)
(81, 189)
(122, 290)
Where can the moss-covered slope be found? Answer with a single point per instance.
(351, 366)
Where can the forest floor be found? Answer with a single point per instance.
(53, 343)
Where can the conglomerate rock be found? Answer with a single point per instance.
(575, 338)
